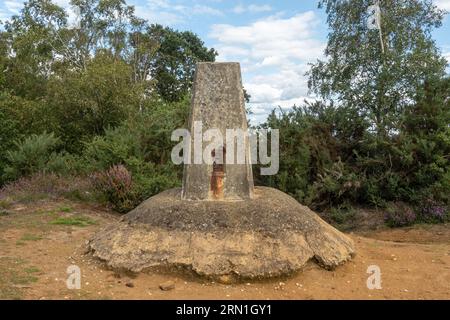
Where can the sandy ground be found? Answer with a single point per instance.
(39, 241)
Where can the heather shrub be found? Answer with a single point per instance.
(49, 185)
(117, 185)
(434, 212)
(126, 186)
(399, 215)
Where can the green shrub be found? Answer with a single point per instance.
(115, 147)
(38, 153)
(9, 132)
(342, 214)
(132, 161)
(31, 155)
(330, 156)
(335, 186)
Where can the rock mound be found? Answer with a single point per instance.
(269, 235)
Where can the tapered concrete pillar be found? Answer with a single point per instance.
(218, 103)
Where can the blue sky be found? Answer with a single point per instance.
(273, 40)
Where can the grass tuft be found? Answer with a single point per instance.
(65, 209)
(32, 269)
(4, 213)
(78, 221)
(30, 237)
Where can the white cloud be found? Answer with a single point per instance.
(169, 12)
(259, 8)
(162, 17)
(233, 51)
(158, 4)
(253, 8)
(443, 4)
(261, 110)
(285, 85)
(274, 53)
(4, 16)
(13, 6)
(239, 9)
(273, 39)
(160, 11)
(206, 10)
(61, 3)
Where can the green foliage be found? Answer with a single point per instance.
(388, 134)
(115, 147)
(86, 104)
(175, 60)
(330, 156)
(360, 75)
(342, 214)
(145, 135)
(65, 209)
(18, 119)
(316, 144)
(8, 133)
(30, 237)
(112, 91)
(381, 131)
(31, 155)
(79, 82)
(132, 161)
(77, 221)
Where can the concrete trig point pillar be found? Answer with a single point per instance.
(218, 103)
(268, 235)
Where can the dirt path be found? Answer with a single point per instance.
(39, 241)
